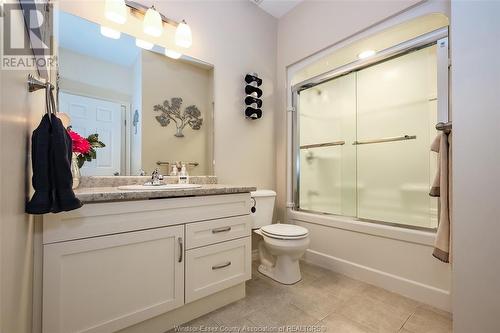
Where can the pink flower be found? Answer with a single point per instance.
(80, 144)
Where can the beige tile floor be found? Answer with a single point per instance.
(323, 301)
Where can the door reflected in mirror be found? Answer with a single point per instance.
(149, 110)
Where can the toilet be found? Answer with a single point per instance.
(282, 245)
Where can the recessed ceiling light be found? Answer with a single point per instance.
(366, 54)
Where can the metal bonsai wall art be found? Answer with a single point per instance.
(171, 111)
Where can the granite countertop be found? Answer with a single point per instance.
(101, 194)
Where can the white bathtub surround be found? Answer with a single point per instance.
(396, 259)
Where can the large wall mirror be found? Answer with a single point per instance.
(149, 110)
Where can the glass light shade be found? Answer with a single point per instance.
(115, 11)
(153, 25)
(143, 44)
(172, 54)
(183, 37)
(110, 33)
(366, 54)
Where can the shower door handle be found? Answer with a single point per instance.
(390, 139)
(325, 144)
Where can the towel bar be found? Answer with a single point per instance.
(194, 164)
(443, 126)
(35, 84)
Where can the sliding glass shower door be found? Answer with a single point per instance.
(365, 142)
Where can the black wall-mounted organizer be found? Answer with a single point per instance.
(253, 95)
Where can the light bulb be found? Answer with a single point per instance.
(143, 44)
(183, 36)
(172, 54)
(115, 11)
(366, 54)
(110, 33)
(153, 25)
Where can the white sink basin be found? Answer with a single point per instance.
(158, 187)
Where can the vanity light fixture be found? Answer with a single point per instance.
(116, 11)
(153, 24)
(143, 44)
(172, 54)
(110, 33)
(183, 37)
(152, 21)
(366, 54)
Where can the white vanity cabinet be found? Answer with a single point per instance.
(108, 266)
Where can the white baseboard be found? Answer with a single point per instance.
(436, 297)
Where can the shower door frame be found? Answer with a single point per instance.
(438, 37)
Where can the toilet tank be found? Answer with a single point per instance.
(264, 207)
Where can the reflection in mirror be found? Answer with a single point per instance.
(148, 109)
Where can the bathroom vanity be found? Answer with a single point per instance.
(124, 258)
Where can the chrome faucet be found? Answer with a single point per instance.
(156, 178)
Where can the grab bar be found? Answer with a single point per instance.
(326, 144)
(391, 139)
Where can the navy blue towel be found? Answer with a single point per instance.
(51, 148)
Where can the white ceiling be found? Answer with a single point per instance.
(277, 8)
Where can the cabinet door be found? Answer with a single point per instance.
(107, 283)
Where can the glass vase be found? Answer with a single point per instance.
(75, 170)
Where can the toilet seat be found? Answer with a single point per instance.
(284, 231)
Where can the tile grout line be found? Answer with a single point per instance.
(411, 315)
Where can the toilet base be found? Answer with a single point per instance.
(285, 270)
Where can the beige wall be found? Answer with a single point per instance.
(476, 125)
(97, 78)
(20, 112)
(236, 37)
(164, 79)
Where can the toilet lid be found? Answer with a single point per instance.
(282, 230)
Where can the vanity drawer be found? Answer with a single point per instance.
(216, 231)
(216, 267)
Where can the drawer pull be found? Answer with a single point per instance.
(181, 249)
(223, 229)
(221, 265)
